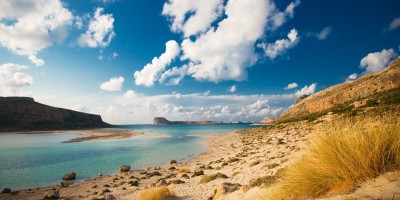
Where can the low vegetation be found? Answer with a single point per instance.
(208, 178)
(346, 153)
(158, 193)
(183, 170)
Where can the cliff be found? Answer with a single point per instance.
(349, 95)
(24, 114)
(164, 121)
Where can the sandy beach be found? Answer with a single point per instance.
(242, 162)
(90, 134)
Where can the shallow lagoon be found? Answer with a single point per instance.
(30, 161)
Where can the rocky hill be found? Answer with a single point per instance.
(24, 114)
(368, 90)
(164, 121)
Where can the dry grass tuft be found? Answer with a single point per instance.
(183, 170)
(158, 193)
(348, 152)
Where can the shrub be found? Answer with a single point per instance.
(348, 152)
(183, 170)
(158, 193)
(208, 178)
(231, 160)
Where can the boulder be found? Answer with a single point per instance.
(225, 188)
(161, 183)
(69, 176)
(171, 162)
(6, 190)
(109, 197)
(124, 168)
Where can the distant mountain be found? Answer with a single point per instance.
(164, 121)
(367, 91)
(24, 114)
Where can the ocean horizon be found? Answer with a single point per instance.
(39, 160)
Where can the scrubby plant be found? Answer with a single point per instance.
(158, 193)
(183, 170)
(346, 153)
(208, 178)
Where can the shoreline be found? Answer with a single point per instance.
(217, 159)
(88, 134)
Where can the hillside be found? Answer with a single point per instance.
(24, 114)
(368, 90)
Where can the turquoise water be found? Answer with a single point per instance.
(30, 161)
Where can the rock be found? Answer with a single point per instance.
(134, 183)
(55, 195)
(279, 141)
(124, 168)
(100, 174)
(161, 183)
(69, 176)
(155, 173)
(171, 162)
(226, 188)
(66, 183)
(6, 190)
(176, 181)
(109, 197)
(157, 168)
(185, 176)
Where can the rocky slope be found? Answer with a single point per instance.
(355, 94)
(24, 114)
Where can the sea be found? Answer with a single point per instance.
(39, 160)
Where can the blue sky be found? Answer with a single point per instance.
(228, 60)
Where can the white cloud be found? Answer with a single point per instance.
(78, 22)
(222, 51)
(134, 107)
(273, 50)
(352, 77)
(100, 31)
(192, 16)
(325, 32)
(174, 75)
(152, 71)
(394, 24)
(233, 88)
(27, 27)
(306, 90)
(114, 55)
(377, 61)
(81, 108)
(291, 86)
(114, 84)
(12, 81)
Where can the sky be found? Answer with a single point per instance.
(224, 60)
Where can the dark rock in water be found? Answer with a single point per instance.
(6, 190)
(124, 168)
(69, 176)
(172, 162)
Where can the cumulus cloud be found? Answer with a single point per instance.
(220, 51)
(140, 108)
(233, 88)
(377, 61)
(12, 81)
(174, 76)
(152, 71)
(272, 50)
(394, 24)
(306, 90)
(352, 77)
(81, 108)
(192, 16)
(100, 31)
(291, 86)
(27, 27)
(114, 84)
(323, 35)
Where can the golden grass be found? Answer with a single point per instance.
(348, 152)
(183, 170)
(158, 193)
